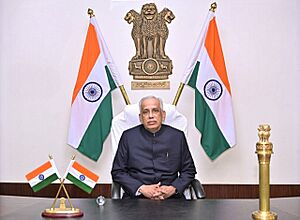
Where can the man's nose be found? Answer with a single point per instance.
(150, 114)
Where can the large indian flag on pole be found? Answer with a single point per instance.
(206, 73)
(43, 176)
(81, 176)
(91, 111)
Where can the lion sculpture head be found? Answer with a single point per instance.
(149, 11)
(167, 15)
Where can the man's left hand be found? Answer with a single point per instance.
(166, 192)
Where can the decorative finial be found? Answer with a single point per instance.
(73, 157)
(50, 156)
(264, 149)
(90, 12)
(213, 7)
(264, 133)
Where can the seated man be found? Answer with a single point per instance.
(153, 160)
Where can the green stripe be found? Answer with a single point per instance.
(91, 144)
(212, 139)
(45, 182)
(79, 183)
(193, 79)
(110, 79)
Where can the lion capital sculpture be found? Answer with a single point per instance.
(149, 33)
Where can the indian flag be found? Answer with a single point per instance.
(207, 75)
(91, 111)
(81, 176)
(43, 176)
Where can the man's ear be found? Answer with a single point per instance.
(140, 118)
(163, 116)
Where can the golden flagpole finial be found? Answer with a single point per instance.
(90, 12)
(50, 156)
(73, 157)
(213, 7)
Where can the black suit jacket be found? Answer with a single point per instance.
(149, 158)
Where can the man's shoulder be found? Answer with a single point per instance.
(133, 129)
(171, 129)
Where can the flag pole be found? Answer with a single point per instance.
(64, 188)
(57, 194)
(125, 96)
(178, 93)
(121, 87)
(213, 8)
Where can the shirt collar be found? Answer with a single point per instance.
(156, 134)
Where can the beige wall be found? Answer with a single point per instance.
(40, 50)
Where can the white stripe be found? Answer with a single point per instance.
(82, 111)
(87, 180)
(221, 108)
(34, 181)
(68, 168)
(54, 167)
(109, 60)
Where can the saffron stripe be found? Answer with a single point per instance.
(38, 170)
(86, 180)
(85, 171)
(214, 50)
(90, 54)
(45, 174)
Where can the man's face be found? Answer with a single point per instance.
(151, 115)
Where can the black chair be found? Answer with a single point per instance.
(194, 191)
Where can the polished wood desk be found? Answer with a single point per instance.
(28, 208)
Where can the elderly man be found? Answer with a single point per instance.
(153, 160)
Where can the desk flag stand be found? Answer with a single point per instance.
(47, 173)
(62, 211)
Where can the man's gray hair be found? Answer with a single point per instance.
(151, 97)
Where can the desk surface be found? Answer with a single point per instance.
(24, 208)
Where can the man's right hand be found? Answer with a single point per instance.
(149, 191)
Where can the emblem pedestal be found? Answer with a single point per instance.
(62, 211)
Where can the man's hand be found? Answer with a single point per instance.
(167, 191)
(157, 192)
(150, 191)
(164, 192)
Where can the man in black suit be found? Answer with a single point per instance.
(153, 160)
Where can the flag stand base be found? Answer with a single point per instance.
(264, 215)
(62, 211)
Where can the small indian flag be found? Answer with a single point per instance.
(81, 176)
(43, 175)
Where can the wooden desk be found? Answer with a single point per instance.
(28, 208)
